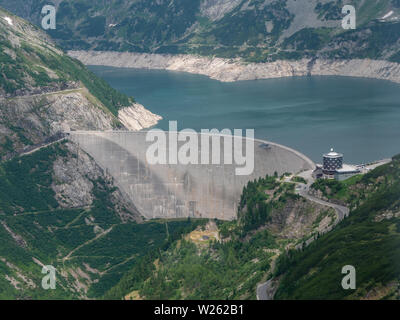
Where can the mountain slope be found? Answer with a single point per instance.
(50, 202)
(43, 91)
(30, 63)
(226, 260)
(57, 207)
(369, 240)
(257, 30)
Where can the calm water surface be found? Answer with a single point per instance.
(359, 117)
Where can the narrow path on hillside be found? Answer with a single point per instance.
(41, 147)
(342, 211)
(68, 256)
(44, 94)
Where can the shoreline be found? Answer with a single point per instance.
(230, 70)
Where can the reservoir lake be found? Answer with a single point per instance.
(358, 117)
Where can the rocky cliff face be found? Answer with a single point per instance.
(301, 219)
(137, 117)
(43, 91)
(54, 198)
(37, 117)
(76, 175)
(235, 69)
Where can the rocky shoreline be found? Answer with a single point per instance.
(229, 70)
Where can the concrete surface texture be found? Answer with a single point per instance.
(176, 190)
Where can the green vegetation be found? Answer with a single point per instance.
(69, 69)
(26, 183)
(333, 189)
(34, 64)
(13, 72)
(225, 271)
(254, 30)
(369, 240)
(299, 180)
(381, 36)
(254, 208)
(331, 10)
(229, 268)
(308, 40)
(91, 239)
(259, 198)
(158, 260)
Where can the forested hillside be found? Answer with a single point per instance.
(256, 30)
(369, 240)
(91, 243)
(226, 260)
(30, 63)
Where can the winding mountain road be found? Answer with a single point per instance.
(266, 290)
(342, 211)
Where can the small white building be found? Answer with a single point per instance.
(347, 171)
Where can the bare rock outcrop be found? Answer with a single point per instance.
(216, 9)
(137, 117)
(75, 176)
(300, 219)
(31, 119)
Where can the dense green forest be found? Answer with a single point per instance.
(223, 271)
(69, 69)
(228, 270)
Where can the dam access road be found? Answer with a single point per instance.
(266, 290)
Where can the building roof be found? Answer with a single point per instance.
(333, 154)
(347, 168)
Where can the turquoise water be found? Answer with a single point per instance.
(358, 117)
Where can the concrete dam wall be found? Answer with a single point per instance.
(177, 190)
